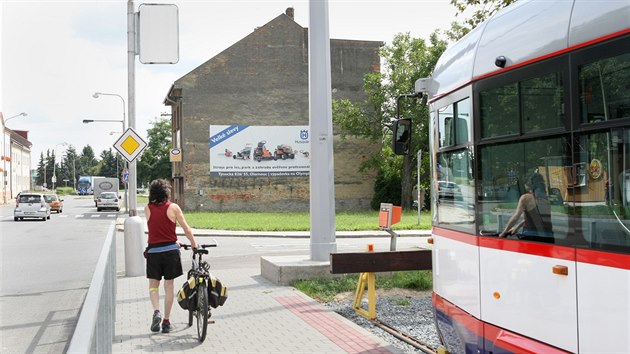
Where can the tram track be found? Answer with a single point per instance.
(414, 342)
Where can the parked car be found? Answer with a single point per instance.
(108, 200)
(56, 204)
(31, 205)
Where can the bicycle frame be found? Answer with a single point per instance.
(200, 270)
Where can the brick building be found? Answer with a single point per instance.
(262, 81)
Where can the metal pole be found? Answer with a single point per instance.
(131, 91)
(419, 190)
(4, 161)
(134, 228)
(322, 176)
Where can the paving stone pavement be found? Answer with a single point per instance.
(258, 317)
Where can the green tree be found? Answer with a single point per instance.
(154, 162)
(107, 164)
(479, 10)
(45, 169)
(406, 59)
(87, 164)
(68, 166)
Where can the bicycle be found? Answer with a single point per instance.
(200, 270)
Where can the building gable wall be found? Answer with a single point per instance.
(263, 80)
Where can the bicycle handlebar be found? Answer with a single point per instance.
(204, 246)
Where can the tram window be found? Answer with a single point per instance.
(447, 128)
(454, 123)
(603, 87)
(504, 170)
(542, 102)
(499, 111)
(603, 206)
(455, 190)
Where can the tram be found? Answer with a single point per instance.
(542, 88)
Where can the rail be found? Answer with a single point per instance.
(94, 332)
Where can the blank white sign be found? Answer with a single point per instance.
(158, 29)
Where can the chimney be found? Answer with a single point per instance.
(290, 13)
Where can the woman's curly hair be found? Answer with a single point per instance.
(159, 191)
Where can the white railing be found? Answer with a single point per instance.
(94, 332)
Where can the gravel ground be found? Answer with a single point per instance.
(407, 311)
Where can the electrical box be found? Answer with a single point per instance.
(389, 215)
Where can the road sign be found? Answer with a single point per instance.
(125, 175)
(130, 144)
(176, 155)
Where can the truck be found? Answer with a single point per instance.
(104, 184)
(85, 184)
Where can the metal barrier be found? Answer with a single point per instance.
(94, 332)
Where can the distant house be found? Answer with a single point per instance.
(240, 124)
(15, 170)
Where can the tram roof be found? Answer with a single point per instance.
(523, 31)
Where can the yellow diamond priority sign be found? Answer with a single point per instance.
(130, 144)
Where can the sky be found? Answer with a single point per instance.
(56, 54)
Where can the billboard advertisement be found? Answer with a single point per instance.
(259, 151)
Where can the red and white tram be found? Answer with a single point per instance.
(542, 87)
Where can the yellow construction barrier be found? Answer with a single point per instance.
(366, 279)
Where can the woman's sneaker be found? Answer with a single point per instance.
(166, 326)
(155, 323)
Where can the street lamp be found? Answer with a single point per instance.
(4, 154)
(54, 177)
(87, 121)
(98, 94)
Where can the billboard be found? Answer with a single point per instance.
(259, 151)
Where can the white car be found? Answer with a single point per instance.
(31, 205)
(108, 200)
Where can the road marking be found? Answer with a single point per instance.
(95, 216)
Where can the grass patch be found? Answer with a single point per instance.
(299, 221)
(64, 190)
(402, 301)
(325, 289)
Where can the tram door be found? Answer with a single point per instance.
(523, 293)
(603, 264)
(528, 282)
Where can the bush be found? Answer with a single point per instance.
(387, 189)
(64, 190)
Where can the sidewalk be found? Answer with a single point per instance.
(258, 317)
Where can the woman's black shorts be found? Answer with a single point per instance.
(164, 264)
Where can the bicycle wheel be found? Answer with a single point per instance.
(202, 311)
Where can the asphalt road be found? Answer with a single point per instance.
(46, 268)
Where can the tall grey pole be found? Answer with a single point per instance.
(134, 228)
(322, 177)
(419, 196)
(131, 91)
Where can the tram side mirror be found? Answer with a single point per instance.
(402, 136)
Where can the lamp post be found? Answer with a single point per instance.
(87, 121)
(98, 94)
(54, 177)
(4, 154)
